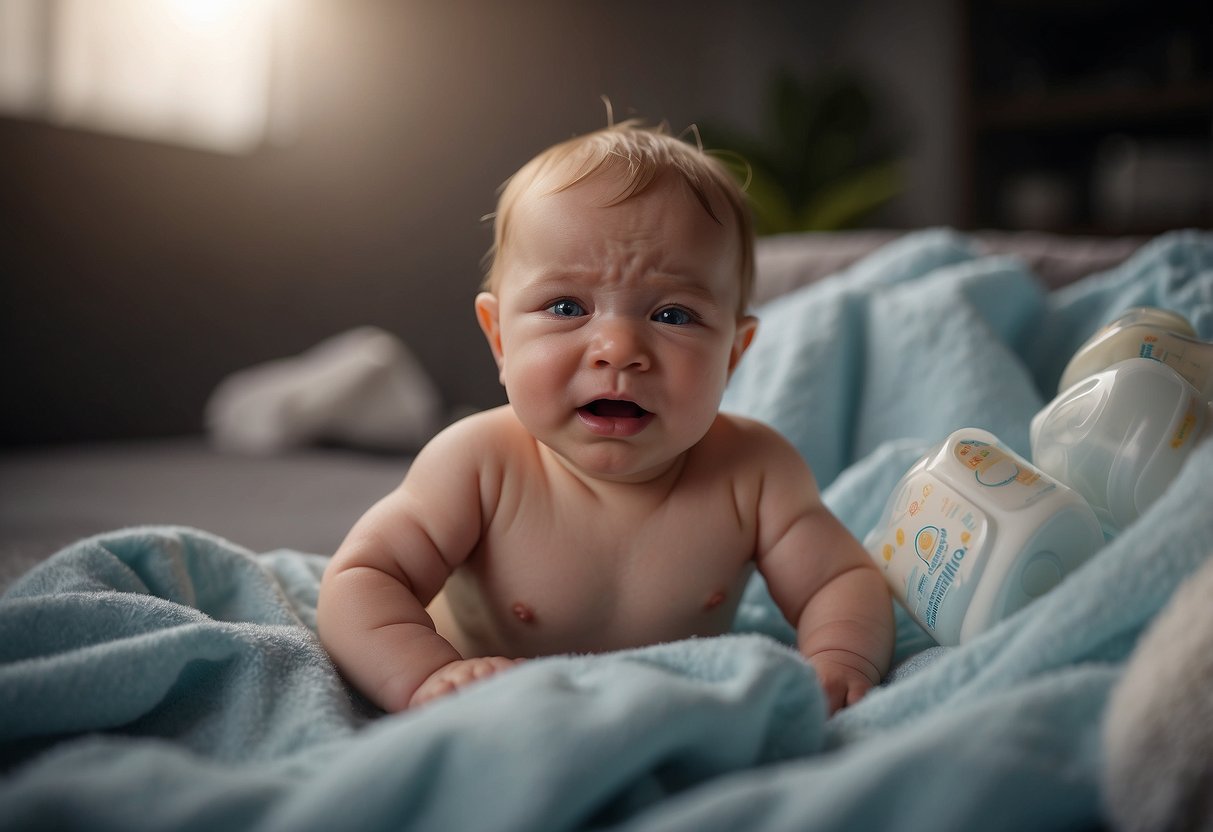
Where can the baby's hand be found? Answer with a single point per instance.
(845, 677)
(458, 674)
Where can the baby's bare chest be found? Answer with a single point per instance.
(560, 577)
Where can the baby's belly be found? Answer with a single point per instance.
(484, 616)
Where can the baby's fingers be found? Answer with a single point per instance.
(492, 664)
(843, 686)
(459, 674)
(430, 689)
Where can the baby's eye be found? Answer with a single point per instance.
(674, 316)
(566, 309)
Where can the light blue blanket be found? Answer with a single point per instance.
(163, 678)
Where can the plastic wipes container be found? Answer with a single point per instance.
(973, 532)
(1120, 436)
(1145, 332)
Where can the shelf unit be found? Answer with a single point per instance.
(1087, 117)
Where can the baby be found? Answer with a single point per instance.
(609, 504)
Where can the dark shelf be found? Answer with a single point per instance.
(1087, 117)
(1050, 109)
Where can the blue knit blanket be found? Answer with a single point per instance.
(164, 678)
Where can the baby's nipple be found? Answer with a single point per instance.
(715, 601)
(523, 613)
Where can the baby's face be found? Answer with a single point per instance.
(615, 328)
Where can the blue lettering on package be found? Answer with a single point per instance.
(941, 549)
(942, 585)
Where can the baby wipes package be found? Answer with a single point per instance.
(1119, 437)
(973, 532)
(1145, 332)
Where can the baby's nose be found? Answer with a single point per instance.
(619, 345)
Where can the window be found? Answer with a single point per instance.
(200, 73)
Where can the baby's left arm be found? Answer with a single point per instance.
(823, 580)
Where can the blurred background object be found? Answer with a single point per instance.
(193, 187)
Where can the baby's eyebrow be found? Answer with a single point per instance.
(560, 281)
(566, 280)
(684, 285)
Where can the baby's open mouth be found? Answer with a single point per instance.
(614, 418)
(615, 409)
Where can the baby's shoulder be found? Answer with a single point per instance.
(485, 435)
(747, 436)
(483, 431)
(750, 445)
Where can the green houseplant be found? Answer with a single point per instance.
(821, 162)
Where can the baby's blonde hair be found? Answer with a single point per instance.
(636, 156)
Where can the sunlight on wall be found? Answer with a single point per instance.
(21, 53)
(200, 73)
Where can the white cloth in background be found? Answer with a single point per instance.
(362, 388)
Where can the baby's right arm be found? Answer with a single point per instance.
(371, 612)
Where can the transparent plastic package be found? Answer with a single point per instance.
(1120, 436)
(1145, 332)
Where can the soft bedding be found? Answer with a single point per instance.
(164, 677)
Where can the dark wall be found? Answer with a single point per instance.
(136, 276)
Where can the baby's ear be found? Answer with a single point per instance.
(746, 327)
(488, 314)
